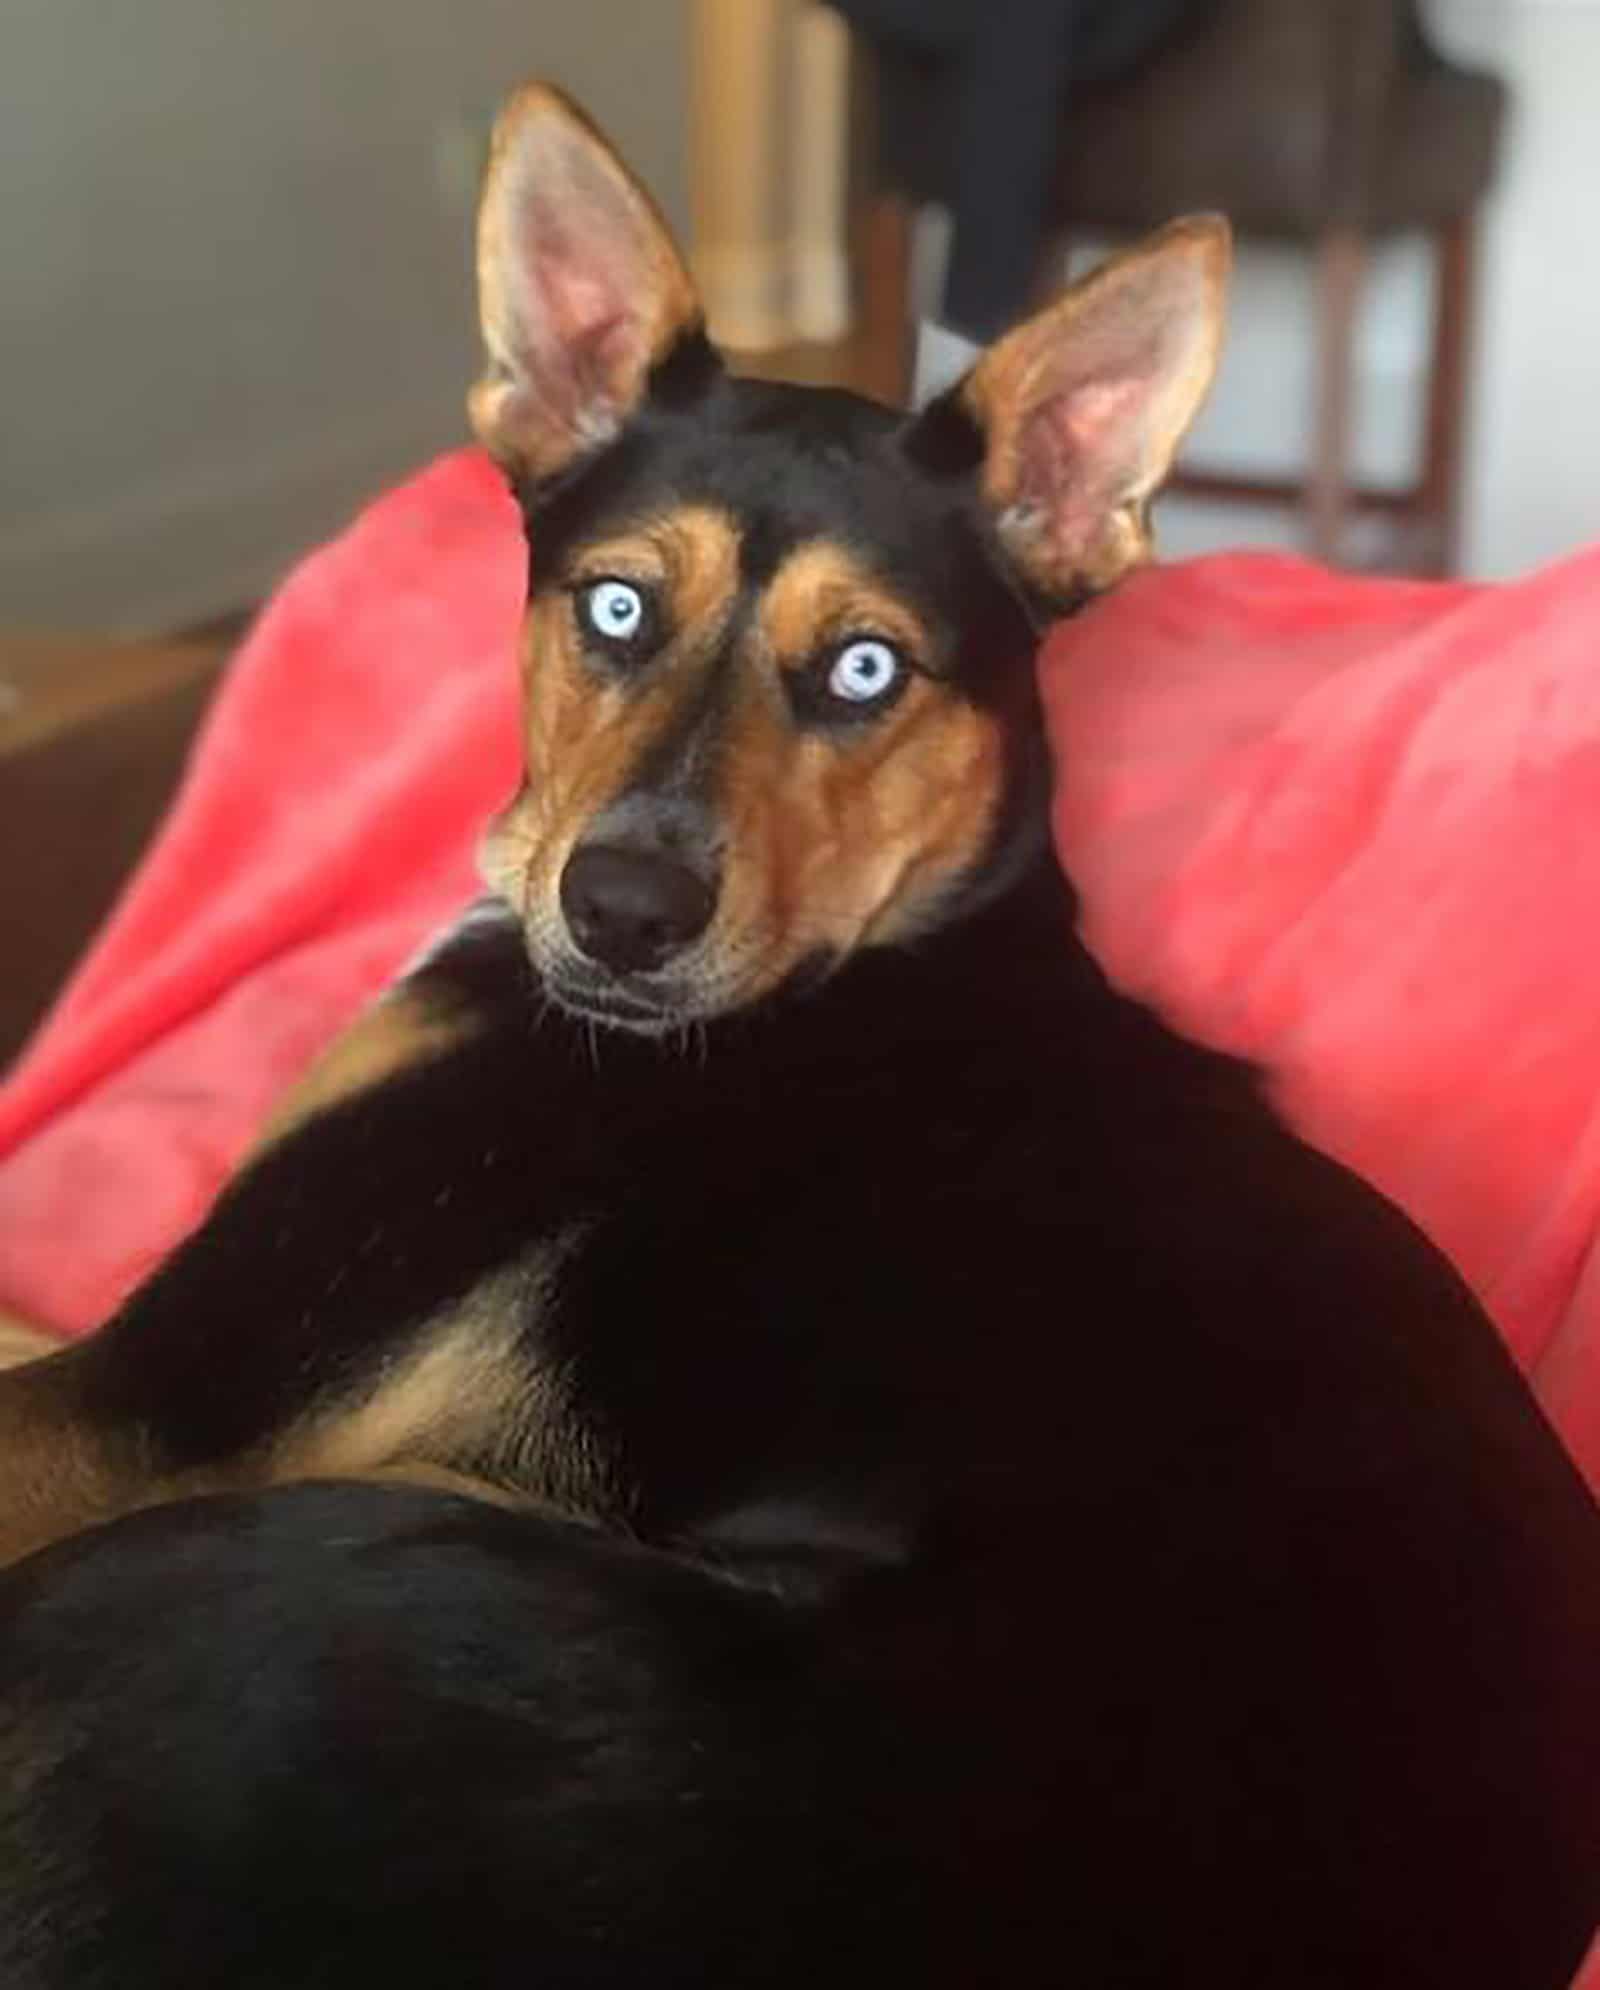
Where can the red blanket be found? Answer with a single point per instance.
(1343, 827)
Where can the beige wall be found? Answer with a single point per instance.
(234, 267)
(1534, 461)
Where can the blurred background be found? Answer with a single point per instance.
(237, 287)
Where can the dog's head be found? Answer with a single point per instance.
(779, 697)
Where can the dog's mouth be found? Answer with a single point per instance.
(596, 997)
(661, 1005)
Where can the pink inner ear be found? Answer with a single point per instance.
(1080, 449)
(579, 328)
(579, 284)
(1091, 414)
(582, 298)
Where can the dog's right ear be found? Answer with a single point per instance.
(581, 290)
(1079, 411)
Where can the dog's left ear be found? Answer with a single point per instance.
(581, 291)
(1082, 407)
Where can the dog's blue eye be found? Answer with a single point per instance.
(613, 609)
(865, 671)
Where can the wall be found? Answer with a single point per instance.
(1534, 472)
(235, 244)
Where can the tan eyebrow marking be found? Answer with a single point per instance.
(691, 553)
(822, 593)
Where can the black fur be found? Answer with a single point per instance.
(1218, 1558)
(658, 1776)
(1078, 1534)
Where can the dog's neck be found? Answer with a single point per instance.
(1009, 949)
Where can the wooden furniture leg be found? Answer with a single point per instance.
(1341, 264)
(884, 279)
(1439, 489)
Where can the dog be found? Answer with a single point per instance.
(753, 1421)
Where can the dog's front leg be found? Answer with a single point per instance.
(60, 1470)
(336, 1312)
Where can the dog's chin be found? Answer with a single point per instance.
(638, 1019)
(592, 995)
(601, 999)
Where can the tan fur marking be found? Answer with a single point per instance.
(823, 594)
(691, 553)
(837, 845)
(468, 1401)
(400, 1030)
(464, 1405)
(839, 840)
(58, 1472)
(20, 1342)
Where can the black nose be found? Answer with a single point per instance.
(632, 909)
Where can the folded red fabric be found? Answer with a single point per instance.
(1347, 829)
(325, 825)
(1339, 826)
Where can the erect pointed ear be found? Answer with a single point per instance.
(581, 291)
(1082, 407)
